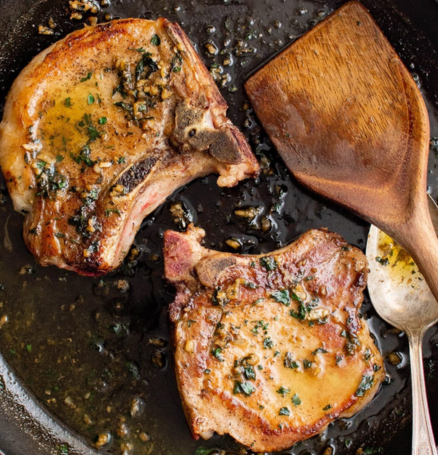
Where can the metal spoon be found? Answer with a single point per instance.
(402, 298)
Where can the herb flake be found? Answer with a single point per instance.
(282, 297)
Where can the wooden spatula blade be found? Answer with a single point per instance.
(345, 114)
(350, 123)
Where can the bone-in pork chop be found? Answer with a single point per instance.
(271, 348)
(101, 127)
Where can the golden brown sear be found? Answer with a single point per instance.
(101, 127)
(271, 348)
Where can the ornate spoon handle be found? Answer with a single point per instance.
(423, 442)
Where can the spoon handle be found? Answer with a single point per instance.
(423, 442)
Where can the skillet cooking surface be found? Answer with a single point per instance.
(96, 352)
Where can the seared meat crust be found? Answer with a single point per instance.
(101, 127)
(270, 349)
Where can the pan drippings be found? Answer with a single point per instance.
(97, 352)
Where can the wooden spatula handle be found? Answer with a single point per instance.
(418, 237)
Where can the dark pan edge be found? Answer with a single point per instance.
(25, 421)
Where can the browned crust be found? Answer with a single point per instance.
(69, 60)
(187, 265)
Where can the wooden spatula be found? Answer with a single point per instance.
(350, 123)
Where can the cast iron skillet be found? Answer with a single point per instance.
(88, 346)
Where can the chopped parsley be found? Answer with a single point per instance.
(382, 261)
(301, 313)
(326, 408)
(319, 351)
(296, 400)
(59, 158)
(91, 131)
(84, 156)
(367, 354)
(155, 40)
(307, 363)
(63, 449)
(352, 343)
(67, 102)
(260, 325)
(217, 352)
(109, 211)
(93, 134)
(87, 77)
(268, 343)
(269, 263)
(102, 120)
(190, 322)
(219, 297)
(249, 373)
(289, 362)
(284, 412)
(245, 388)
(296, 297)
(126, 106)
(250, 285)
(366, 384)
(283, 391)
(176, 63)
(282, 297)
(145, 65)
(90, 99)
(121, 160)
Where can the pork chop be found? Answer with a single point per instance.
(270, 349)
(101, 127)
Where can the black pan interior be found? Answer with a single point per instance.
(92, 351)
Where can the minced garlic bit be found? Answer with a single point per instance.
(165, 94)
(190, 346)
(122, 285)
(45, 30)
(69, 402)
(92, 20)
(233, 243)
(90, 227)
(117, 191)
(144, 437)
(3, 320)
(76, 15)
(135, 407)
(250, 212)
(33, 146)
(102, 440)
(97, 169)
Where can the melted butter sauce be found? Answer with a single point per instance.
(96, 352)
(58, 127)
(400, 265)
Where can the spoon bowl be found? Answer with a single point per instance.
(397, 288)
(401, 296)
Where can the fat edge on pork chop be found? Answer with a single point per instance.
(271, 348)
(101, 127)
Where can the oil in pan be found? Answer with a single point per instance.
(96, 351)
